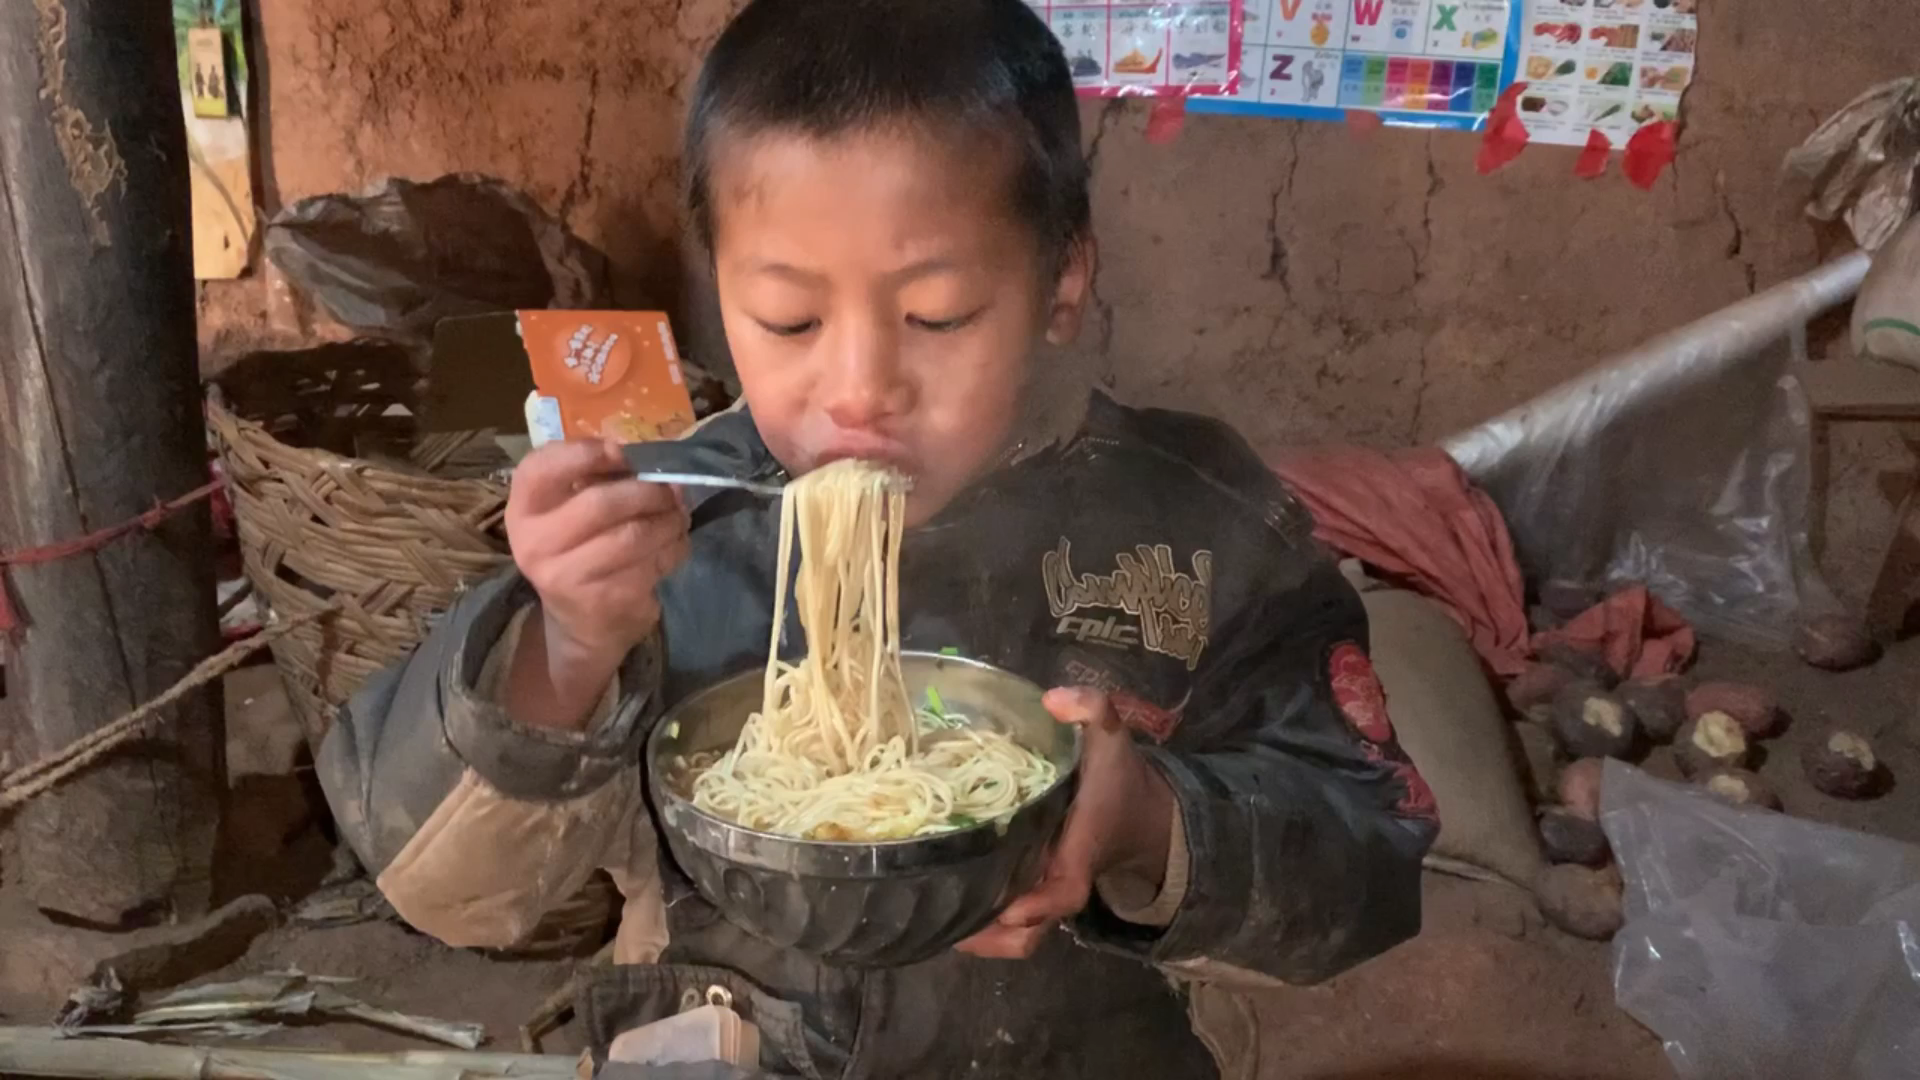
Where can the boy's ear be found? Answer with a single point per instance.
(1073, 292)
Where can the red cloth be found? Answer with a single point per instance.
(1416, 520)
(1637, 634)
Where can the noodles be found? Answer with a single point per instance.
(837, 751)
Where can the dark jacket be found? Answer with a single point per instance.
(1154, 556)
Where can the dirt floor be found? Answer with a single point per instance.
(1487, 991)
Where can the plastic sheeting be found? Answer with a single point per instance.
(1862, 162)
(1762, 946)
(1681, 465)
(397, 259)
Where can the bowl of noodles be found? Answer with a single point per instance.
(868, 902)
(863, 804)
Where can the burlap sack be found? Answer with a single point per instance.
(1450, 724)
(1886, 316)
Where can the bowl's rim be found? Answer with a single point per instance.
(967, 838)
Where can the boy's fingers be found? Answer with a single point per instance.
(1005, 942)
(634, 546)
(651, 566)
(601, 506)
(550, 474)
(1079, 705)
(1056, 898)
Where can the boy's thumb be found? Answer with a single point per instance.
(1056, 897)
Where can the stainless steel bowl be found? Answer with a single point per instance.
(864, 904)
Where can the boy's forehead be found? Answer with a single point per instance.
(917, 187)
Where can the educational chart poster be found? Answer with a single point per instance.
(1162, 49)
(1425, 63)
(1609, 65)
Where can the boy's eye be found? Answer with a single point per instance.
(794, 329)
(942, 326)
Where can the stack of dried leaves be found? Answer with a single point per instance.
(244, 1008)
(102, 1031)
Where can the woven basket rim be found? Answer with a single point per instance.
(315, 526)
(222, 419)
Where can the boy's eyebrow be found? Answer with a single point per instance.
(783, 270)
(928, 267)
(936, 264)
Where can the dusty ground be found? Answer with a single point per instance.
(1487, 991)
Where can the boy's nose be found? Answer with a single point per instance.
(868, 384)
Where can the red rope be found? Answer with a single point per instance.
(93, 541)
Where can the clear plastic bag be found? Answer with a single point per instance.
(1763, 946)
(1682, 465)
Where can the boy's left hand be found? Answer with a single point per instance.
(1120, 821)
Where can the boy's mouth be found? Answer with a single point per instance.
(874, 448)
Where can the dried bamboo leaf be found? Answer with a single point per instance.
(43, 1052)
(453, 1033)
(229, 1001)
(103, 998)
(222, 1029)
(295, 994)
(344, 905)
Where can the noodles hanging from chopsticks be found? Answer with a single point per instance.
(837, 751)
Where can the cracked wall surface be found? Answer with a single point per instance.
(1301, 280)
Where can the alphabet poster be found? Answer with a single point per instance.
(1421, 63)
(1162, 48)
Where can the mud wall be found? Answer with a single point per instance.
(1303, 281)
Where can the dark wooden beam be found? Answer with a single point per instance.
(99, 417)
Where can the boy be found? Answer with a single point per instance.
(895, 203)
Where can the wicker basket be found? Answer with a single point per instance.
(391, 535)
(391, 547)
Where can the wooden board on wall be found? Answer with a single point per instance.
(213, 73)
(223, 218)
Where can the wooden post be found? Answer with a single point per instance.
(99, 417)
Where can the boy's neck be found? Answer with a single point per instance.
(1052, 412)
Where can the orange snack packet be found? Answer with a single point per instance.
(614, 374)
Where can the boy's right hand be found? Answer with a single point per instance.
(595, 543)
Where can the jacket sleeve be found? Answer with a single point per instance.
(1301, 824)
(474, 826)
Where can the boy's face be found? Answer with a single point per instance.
(882, 301)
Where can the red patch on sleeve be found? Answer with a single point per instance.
(1357, 690)
(1153, 721)
(1363, 702)
(1144, 716)
(1417, 801)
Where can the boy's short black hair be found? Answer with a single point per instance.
(831, 67)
